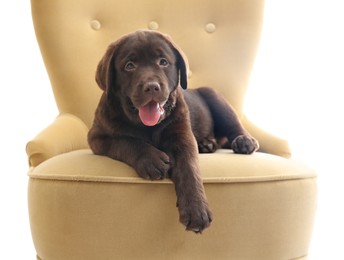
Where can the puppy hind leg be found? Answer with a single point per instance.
(227, 123)
(207, 145)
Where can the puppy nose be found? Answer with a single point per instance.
(152, 87)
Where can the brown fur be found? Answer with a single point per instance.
(145, 66)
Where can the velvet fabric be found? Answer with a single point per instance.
(83, 206)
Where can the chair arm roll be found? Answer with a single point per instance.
(67, 133)
(268, 143)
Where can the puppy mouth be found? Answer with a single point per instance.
(150, 113)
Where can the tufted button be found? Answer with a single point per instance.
(95, 25)
(210, 27)
(153, 25)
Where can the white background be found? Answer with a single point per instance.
(296, 91)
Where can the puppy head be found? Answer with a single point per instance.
(142, 70)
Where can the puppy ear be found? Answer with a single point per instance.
(182, 61)
(106, 73)
(183, 66)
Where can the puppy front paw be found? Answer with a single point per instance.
(153, 165)
(244, 144)
(195, 217)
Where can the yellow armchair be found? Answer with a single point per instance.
(83, 206)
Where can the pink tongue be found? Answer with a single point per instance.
(150, 113)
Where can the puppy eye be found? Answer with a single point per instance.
(163, 62)
(129, 66)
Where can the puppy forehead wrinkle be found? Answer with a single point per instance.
(161, 47)
(163, 51)
(141, 44)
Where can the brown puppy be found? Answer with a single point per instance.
(145, 120)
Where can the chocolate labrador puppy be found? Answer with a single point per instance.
(147, 121)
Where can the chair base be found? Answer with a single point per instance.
(89, 213)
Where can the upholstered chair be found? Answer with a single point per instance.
(83, 206)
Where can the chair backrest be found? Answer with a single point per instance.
(219, 37)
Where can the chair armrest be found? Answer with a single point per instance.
(65, 134)
(268, 143)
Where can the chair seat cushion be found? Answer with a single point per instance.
(263, 208)
(221, 167)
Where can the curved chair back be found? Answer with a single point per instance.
(220, 39)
